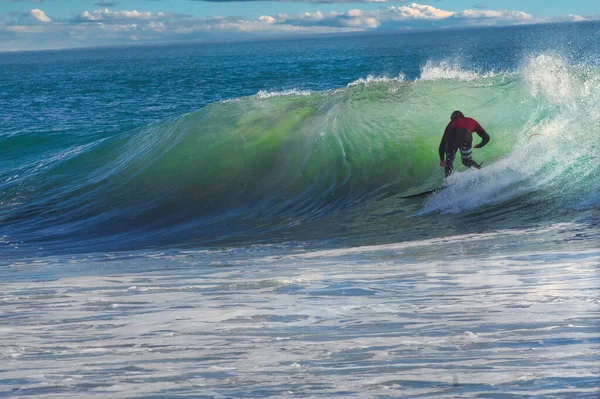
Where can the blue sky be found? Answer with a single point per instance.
(45, 24)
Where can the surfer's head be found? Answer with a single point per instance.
(456, 115)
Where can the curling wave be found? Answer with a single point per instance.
(274, 161)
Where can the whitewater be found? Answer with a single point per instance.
(222, 222)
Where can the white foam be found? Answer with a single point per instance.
(405, 245)
(558, 161)
(450, 70)
(263, 94)
(428, 323)
(549, 76)
(370, 79)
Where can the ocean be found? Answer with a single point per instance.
(223, 220)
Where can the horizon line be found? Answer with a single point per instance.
(284, 37)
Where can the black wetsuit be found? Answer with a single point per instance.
(459, 135)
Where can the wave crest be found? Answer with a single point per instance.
(446, 70)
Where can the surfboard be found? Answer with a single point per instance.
(423, 194)
(435, 190)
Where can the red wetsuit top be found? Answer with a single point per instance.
(461, 124)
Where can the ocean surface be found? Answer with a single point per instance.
(224, 220)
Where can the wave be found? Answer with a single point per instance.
(276, 160)
(555, 152)
(294, 92)
(376, 79)
(451, 70)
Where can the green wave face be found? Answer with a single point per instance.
(365, 139)
(380, 136)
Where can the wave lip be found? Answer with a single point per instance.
(263, 94)
(376, 79)
(447, 70)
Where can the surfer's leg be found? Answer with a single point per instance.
(466, 151)
(465, 155)
(450, 153)
(471, 164)
(452, 145)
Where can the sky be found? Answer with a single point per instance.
(53, 24)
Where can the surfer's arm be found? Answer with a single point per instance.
(485, 138)
(442, 148)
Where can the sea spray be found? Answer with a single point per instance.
(552, 154)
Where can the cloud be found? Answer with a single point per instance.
(105, 15)
(265, 25)
(575, 18)
(413, 15)
(498, 15)
(268, 19)
(419, 11)
(352, 19)
(103, 27)
(570, 18)
(39, 15)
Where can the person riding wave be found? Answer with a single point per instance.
(459, 136)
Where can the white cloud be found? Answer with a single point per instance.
(39, 15)
(413, 15)
(155, 27)
(576, 18)
(491, 14)
(306, 16)
(268, 19)
(107, 27)
(354, 19)
(420, 11)
(106, 14)
(118, 28)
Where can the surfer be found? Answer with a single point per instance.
(459, 136)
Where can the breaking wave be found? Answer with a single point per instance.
(277, 162)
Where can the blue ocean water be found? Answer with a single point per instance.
(223, 220)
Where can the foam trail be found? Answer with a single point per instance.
(515, 320)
